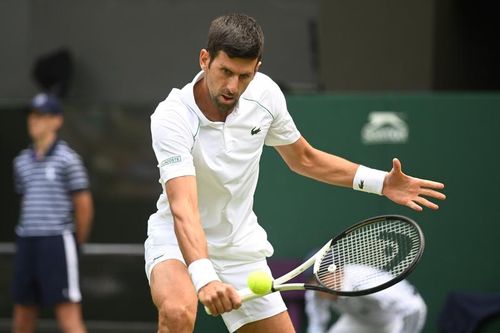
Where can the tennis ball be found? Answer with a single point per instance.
(260, 282)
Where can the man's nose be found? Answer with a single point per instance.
(232, 84)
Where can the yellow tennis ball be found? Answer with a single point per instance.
(260, 282)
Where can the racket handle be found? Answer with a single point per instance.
(245, 294)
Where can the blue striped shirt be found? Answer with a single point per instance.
(46, 186)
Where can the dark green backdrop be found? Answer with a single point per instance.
(451, 138)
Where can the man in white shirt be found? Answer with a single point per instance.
(208, 138)
(397, 309)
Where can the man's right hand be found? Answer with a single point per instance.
(219, 297)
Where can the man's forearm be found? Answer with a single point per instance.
(84, 215)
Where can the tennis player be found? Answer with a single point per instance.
(208, 137)
(56, 216)
(397, 309)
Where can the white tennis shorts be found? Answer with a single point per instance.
(229, 271)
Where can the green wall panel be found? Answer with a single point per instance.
(451, 138)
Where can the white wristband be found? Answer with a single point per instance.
(202, 272)
(369, 180)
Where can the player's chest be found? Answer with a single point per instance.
(46, 174)
(243, 132)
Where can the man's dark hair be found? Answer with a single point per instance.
(238, 35)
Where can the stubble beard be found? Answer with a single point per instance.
(223, 108)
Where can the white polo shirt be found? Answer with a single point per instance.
(382, 311)
(224, 157)
(379, 308)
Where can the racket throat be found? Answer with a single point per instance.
(288, 286)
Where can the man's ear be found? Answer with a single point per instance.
(257, 67)
(59, 121)
(204, 59)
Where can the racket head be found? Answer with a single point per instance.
(369, 256)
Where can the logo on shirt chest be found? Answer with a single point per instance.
(255, 130)
(50, 173)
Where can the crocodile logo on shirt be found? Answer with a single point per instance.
(255, 130)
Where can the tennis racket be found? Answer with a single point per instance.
(370, 256)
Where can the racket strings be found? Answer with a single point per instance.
(377, 252)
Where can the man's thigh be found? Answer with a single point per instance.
(269, 310)
(170, 283)
(280, 323)
(24, 285)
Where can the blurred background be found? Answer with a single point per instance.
(367, 80)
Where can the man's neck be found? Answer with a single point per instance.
(42, 145)
(205, 104)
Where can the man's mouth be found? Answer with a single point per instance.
(227, 98)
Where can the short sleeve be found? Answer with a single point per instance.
(172, 140)
(76, 174)
(283, 130)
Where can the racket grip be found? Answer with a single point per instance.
(245, 294)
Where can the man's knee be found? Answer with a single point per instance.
(19, 326)
(24, 318)
(67, 326)
(176, 317)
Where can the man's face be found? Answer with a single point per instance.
(41, 125)
(227, 78)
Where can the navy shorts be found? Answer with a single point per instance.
(46, 270)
